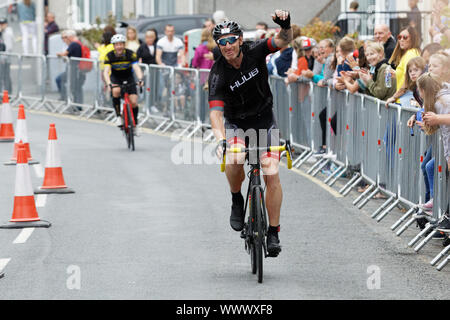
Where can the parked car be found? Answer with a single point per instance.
(182, 23)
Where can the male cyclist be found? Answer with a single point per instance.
(119, 66)
(239, 92)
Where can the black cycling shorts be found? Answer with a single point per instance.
(262, 131)
(132, 89)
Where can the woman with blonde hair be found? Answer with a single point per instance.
(202, 52)
(407, 48)
(132, 43)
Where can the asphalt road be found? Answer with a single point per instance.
(140, 227)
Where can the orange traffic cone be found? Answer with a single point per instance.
(6, 125)
(54, 178)
(24, 214)
(21, 136)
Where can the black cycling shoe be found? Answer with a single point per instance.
(237, 217)
(273, 245)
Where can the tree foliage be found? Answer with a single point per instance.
(320, 30)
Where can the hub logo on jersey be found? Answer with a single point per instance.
(244, 79)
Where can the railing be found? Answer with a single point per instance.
(359, 130)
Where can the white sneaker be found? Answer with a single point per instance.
(137, 131)
(153, 109)
(119, 122)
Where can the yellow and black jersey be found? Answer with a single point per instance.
(121, 66)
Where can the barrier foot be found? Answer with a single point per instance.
(209, 137)
(424, 241)
(168, 126)
(64, 109)
(370, 197)
(24, 225)
(365, 193)
(108, 118)
(339, 175)
(421, 233)
(185, 130)
(403, 218)
(161, 125)
(383, 206)
(318, 163)
(193, 132)
(388, 210)
(443, 264)
(302, 161)
(440, 255)
(333, 174)
(300, 157)
(405, 226)
(352, 186)
(320, 167)
(355, 177)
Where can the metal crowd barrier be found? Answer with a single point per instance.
(361, 134)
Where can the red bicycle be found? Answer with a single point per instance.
(129, 123)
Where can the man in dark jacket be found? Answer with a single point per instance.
(383, 35)
(50, 28)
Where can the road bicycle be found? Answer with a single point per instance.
(129, 123)
(256, 227)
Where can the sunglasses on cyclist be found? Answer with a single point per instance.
(400, 37)
(223, 42)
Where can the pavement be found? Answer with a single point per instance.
(141, 227)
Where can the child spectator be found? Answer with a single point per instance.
(440, 66)
(302, 63)
(414, 69)
(436, 97)
(373, 80)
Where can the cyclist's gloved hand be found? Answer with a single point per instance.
(282, 18)
(221, 146)
(141, 83)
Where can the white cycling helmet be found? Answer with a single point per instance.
(117, 38)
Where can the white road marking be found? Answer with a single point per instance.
(23, 236)
(3, 263)
(38, 170)
(41, 201)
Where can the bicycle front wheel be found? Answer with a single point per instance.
(130, 129)
(258, 233)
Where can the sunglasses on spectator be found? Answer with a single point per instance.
(400, 37)
(230, 40)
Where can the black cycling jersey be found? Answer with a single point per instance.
(121, 66)
(243, 93)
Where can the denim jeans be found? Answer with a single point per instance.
(428, 174)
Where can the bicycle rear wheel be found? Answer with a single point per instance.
(258, 234)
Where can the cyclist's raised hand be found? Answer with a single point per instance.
(282, 18)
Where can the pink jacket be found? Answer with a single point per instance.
(199, 61)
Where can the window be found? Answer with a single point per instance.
(164, 7)
(87, 11)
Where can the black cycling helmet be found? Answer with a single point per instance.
(226, 27)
